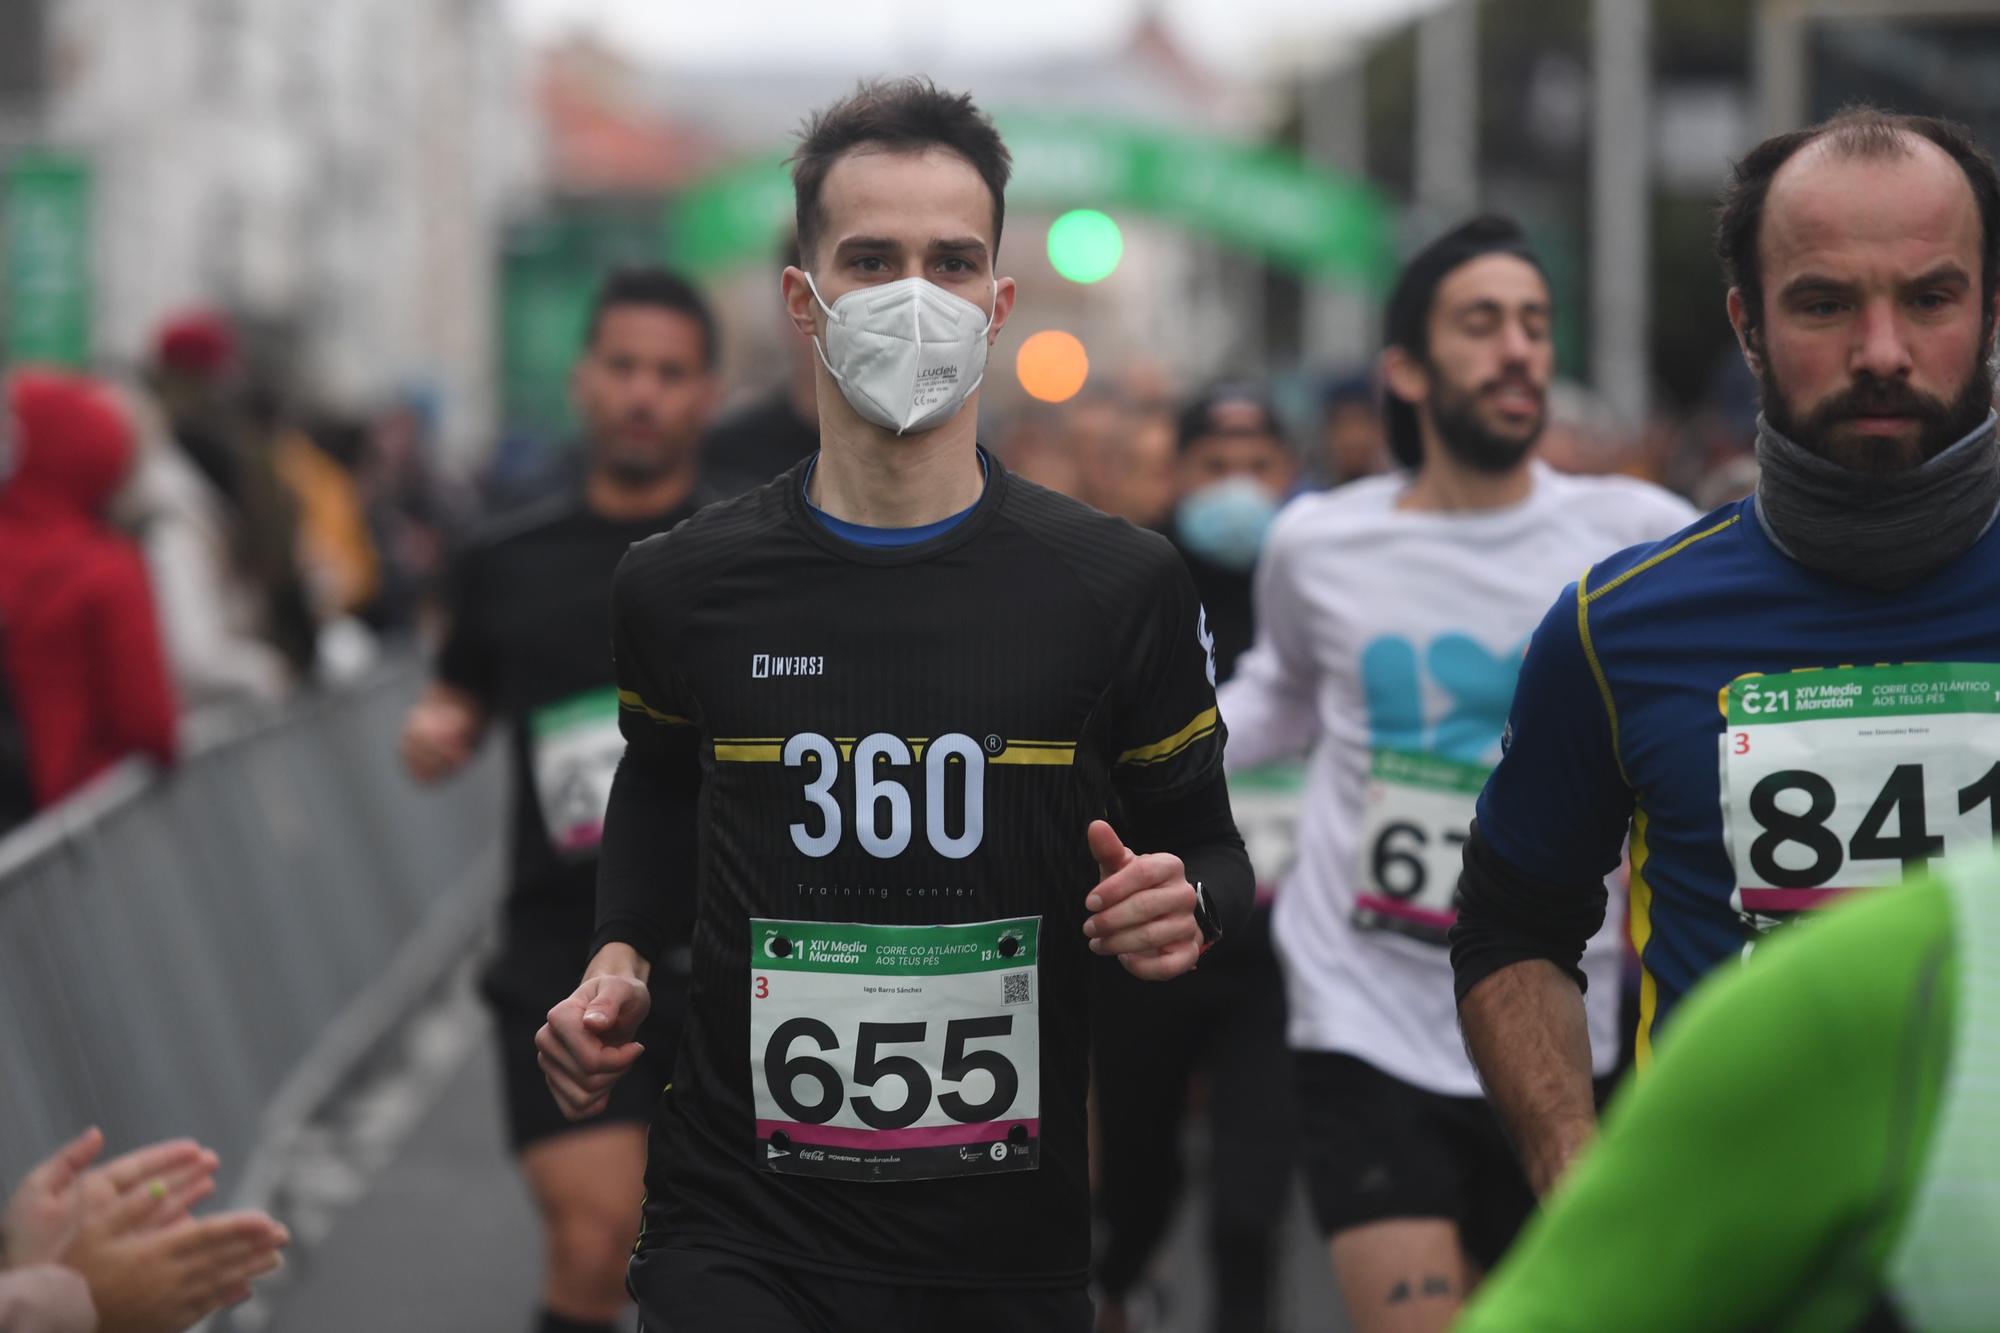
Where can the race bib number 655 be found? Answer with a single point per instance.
(1847, 777)
(895, 1052)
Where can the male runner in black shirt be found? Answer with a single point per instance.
(530, 617)
(748, 447)
(876, 713)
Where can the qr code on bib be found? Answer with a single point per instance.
(1014, 988)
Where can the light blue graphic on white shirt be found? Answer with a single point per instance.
(1480, 684)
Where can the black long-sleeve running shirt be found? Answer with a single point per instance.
(868, 773)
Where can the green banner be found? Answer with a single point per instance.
(823, 946)
(1410, 769)
(1282, 777)
(1253, 198)
(1887, 691)
(586, 709)
(45, 271)
(550, 269)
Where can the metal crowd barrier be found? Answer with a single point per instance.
(208, 951)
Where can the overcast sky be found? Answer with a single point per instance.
(1235, 35)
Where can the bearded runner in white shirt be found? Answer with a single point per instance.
(1392, 617)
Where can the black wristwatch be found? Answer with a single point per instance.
(1210, 931)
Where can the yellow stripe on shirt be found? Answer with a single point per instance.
(1585, 595)
(1161, 751)
(765, 750)
(1060, 753)
(630, 699)
(1640, 922)
(771, 750)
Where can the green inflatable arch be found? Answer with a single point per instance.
(1260, 200)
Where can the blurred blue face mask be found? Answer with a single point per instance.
(1225, 522)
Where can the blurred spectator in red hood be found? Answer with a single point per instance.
(79, 644)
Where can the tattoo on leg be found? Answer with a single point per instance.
(1432, 1285)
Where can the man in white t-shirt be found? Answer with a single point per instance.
(1392, 617)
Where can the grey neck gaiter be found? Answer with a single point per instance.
(1879, 530)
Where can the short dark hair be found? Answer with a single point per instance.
(658, 288)
(904, 115)
(1857, 131)
(1406, 320)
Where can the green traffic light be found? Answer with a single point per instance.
(1085, 245)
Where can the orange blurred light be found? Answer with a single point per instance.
(1052, 365)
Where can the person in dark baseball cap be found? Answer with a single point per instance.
(1491, 421)
(1228, 408)
(1235, 471)
(1353, 441)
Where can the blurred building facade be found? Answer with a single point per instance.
(336, 174)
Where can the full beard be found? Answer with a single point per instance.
(636, 471)
(637, 466)
(1940, 423)
(1470, 441)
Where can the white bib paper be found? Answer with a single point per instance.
(1265, 801)
(896, 1052)
(1413, 832)
(574, 748)
(1846, 777)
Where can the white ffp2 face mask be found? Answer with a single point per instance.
(906, 354)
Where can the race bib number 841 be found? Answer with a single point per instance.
(1844, 778)
(896, 1052)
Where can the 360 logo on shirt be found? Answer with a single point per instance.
(877, 796)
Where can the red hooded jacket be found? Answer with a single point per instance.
(82, 657)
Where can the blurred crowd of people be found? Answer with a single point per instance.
(188, 541)
(1117, 447)
(192, 538)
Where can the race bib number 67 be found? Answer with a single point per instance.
(1420, 807)
(895, 1052)
(1843, 778)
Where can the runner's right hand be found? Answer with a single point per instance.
(588, 1042)
(439, 735)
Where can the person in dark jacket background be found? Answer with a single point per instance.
(201, 378)
(80, 646)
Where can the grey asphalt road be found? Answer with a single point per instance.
(438, 1235)
(440, 1239)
